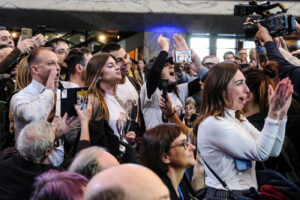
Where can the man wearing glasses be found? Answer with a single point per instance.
(61, 48)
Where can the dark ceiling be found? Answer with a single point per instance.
(134, 22)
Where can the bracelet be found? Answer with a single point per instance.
(169, 116)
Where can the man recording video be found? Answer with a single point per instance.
(23, 46)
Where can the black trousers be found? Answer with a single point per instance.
(216, 194)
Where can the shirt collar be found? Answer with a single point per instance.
(37, 85)
(229, 112)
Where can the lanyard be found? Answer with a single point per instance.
(181, 196)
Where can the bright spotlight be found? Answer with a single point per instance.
(14, 34)
(101, 37)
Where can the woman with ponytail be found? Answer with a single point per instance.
(258, 80)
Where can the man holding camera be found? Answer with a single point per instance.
(285, 69)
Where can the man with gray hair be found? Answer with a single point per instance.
(92, 160)
(19, 167)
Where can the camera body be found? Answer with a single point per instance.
(278, 24)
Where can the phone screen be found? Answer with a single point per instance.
(82, 99)
(183, 56)
(26, 33)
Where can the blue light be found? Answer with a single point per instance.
(165, 29)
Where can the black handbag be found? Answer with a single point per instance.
(250, 194)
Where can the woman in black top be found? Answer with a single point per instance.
(166, 151)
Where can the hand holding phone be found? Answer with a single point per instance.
(183, 56)
(26, 33)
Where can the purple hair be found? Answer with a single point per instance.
(59, 185)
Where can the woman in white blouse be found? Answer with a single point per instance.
(226, 140)
(102, 78)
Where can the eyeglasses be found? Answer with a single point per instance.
(184, 144)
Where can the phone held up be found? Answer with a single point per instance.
(26, 33)
(183, 56)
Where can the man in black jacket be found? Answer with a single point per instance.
(19, 167)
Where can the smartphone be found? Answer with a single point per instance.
(26, 33)
(183, 56)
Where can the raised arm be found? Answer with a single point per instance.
(170, 113)
(155, 71)
(196, 65)
(84, 117)
(40, 107)
(9, 61)
(286, 69)
(268, 143)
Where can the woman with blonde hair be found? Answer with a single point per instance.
(23, 77)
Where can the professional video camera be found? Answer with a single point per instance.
(278, 24)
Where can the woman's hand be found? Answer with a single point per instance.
(196, 61)
(180, 43)
(61, 125)
(85, 115)
(280, 100)
(130, 137)
(163, 43)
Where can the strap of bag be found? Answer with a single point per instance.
(235, 196)
(214, 173)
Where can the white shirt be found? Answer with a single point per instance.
(35, 103)
(222, 140)
(129, 98)
(150, 107)
(69, 84)
(117, 116)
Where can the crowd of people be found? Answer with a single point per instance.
(200, 130)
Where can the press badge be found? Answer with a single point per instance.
(243, 165)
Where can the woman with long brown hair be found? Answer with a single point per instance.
(228, 143)
(102, 77)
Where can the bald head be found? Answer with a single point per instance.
(92, 160)
(126, 182)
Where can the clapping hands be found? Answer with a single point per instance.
(280, 99)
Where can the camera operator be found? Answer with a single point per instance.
(285, 69)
